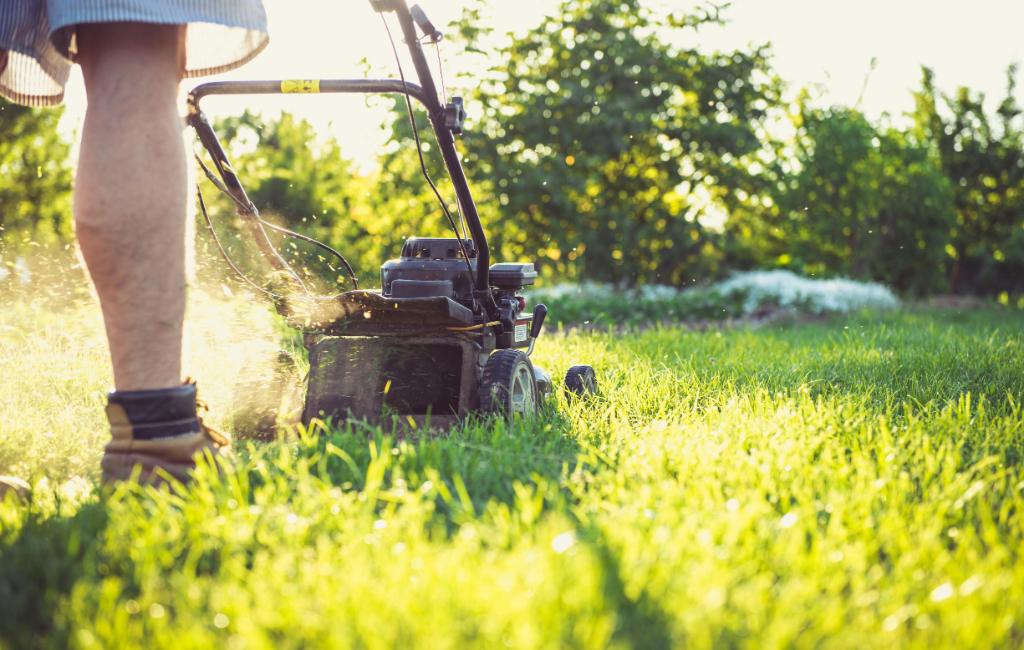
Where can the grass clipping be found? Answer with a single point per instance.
(56, 372)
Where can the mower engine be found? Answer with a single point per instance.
(436, 267)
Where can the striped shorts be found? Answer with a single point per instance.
(37, 38)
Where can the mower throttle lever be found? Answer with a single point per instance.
(428, 28)
(540, 312)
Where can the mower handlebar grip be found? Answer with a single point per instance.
(539, 313)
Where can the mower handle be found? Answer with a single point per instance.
(426, 94)
(305, 86)
(446, 142)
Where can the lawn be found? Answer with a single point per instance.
(851, 482)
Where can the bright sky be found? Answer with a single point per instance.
(819, 41)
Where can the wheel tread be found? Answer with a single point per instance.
(580, 381)
(494, 393)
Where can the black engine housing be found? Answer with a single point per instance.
(430, 267)
(436, 268)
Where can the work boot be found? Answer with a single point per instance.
(158, 429)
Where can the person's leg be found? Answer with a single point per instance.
(131, 194)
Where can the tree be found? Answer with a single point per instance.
(985, 166)
(858, 201)
(35, 178)
(593, 134)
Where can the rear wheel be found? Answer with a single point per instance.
(580, 382)
(508, 386)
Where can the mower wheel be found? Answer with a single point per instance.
(580, 382)
(508, 386)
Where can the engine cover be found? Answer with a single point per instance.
(427, 266)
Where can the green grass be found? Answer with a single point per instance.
(855, 483)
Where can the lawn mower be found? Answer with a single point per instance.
(447, 333)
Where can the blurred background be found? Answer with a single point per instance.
(633, 142)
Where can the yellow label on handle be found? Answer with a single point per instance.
(300, 86)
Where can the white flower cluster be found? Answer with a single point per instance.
(817, 296)
(782, 288)
(657, 292)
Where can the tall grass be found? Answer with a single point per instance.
(855, 483)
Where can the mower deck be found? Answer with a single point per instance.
(427, 381)
(368, 313)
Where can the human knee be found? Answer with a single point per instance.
(93, 224)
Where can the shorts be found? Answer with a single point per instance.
(39, 37)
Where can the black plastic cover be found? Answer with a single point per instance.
(509, 275)
(422, 289)
(365, 313)
(428, 270)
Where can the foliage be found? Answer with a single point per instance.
(35, 179)
(594, 134)
(985, 165)
(301, 183)
(849, 485)
(604, 304)
(856, 201)
(606, 149)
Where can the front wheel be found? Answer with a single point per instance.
(508, 386)
(580, 382)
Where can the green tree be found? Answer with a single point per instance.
(301, 183)
(985, 165)
(35, 178)
(594, 132)
(855, 200)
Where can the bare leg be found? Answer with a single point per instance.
(131, 195)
